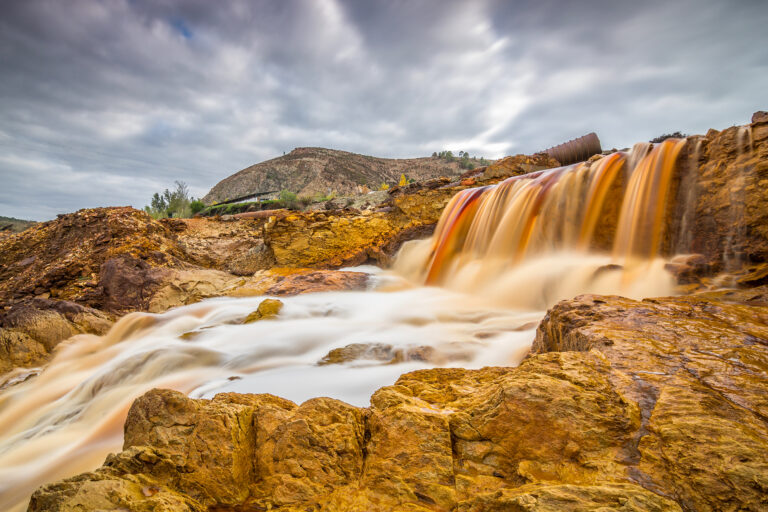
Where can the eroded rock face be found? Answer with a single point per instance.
(731, 194)
(637, 405)
(655, 405)
(62, 258)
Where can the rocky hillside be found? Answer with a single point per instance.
(313, 171)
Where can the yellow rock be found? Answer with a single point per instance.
(269, 308)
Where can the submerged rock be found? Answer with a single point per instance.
(381, 352)
(655, 405)
(268, 308)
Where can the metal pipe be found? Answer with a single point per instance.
(576, 150)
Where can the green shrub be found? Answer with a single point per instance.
(196, 206)
(172, 203)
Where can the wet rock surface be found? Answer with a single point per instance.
(696, 368)
(268, 308)
(650, 405)
(118, 260)
(730, 195)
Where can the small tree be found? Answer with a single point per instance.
(383, 186)
(158, 203)
(171, 203)
(178, 200)
(403, 181)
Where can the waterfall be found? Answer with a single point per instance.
(598, 226)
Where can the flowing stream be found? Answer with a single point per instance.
(470, 296)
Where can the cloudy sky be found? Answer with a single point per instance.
(103, 102)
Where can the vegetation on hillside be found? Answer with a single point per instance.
(464, 160)
(174, 203)
(310, 171)
(662, 138)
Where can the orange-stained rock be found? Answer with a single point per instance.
(696, 367)
(283, 281)
(63, 258)
(209, 443)
(381, 352)
(304, 453)
(121, 260)
(519, 164)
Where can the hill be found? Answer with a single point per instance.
(313, 171)
(13, 225)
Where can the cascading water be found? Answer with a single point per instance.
(534, 239)
(499, 257)
(733, 252)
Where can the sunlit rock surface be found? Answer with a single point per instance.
(634, 405)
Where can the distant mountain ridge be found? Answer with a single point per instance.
(312, 171)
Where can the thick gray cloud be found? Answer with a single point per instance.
(105, 102)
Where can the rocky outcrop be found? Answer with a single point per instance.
(730, 195)
(348, 237)
(268, 308)
(654, 405)
(632, 405)
(292, 281)
(695, 368)
(63, 258)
